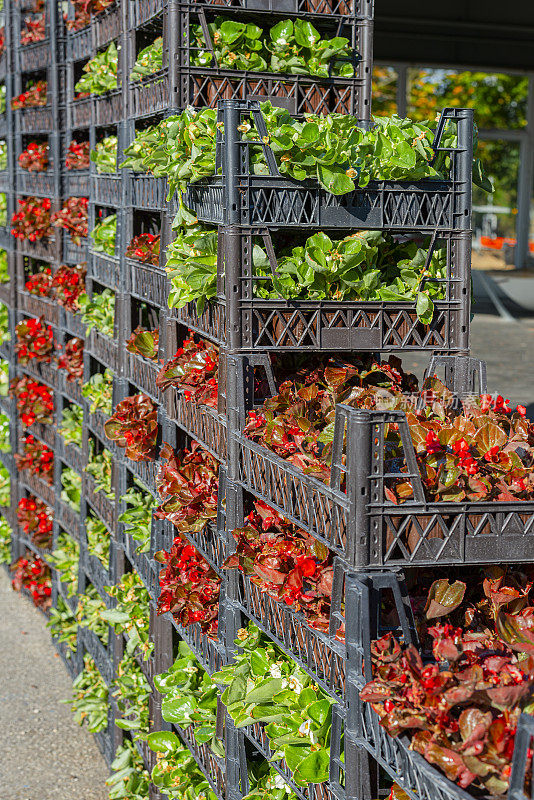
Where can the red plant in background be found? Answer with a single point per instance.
(30, 573)
(34, 30)
(40, 284)
(33, 97)
(35, 341)
(144, 343)
(286, 563)
(195, 369)
(32, 221)
(36, 520)
(35, 157)
(2, 40)
(77, 155)
(69, 283)
(72, 360)
(134, 425)
(189, 587)
(35, 401)
(83, 9)
(187, 483)
(73, 218)
(81, 95)
(37, 458)
(145, 248)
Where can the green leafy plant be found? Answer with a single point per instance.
(296, 48)
(5, 541)
(71, 424)
(89, 613)
(63, 626)
(138, 154)
(4, 271)
(149, 61)
(190, 698)
(98, 311)
(131, 613)
(265, 685)
(105, 155)
(100, 72)
(4, 377)
(330, 149)
(5, 487)
(90, 697)
(65, 559)
(131, 692)
(104, 234)
(100, 467)
(5, 440)
(72, 488)
(137, 518)
(366, 266)
(176, 773)
(129, 780)
(99, 390)
(98, 539)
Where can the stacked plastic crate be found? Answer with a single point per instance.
(95, 484)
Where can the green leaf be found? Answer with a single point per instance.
(163, 742)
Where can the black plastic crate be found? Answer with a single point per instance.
(107, 189)
(79, 44)
(141, 11)
(404, 766)
(299, 94)
(34, 56)
(359, 523)
(40, 184)
(107, 25)
(36, 306)
(75, 182)
(204, 424)
(105, 269)
(148, 192)
(80, 112)
(104, 506)
(332, 8)
(104, 349)
(147, 282)
(35, 120)
(238, 197)
(107, 108)
(239, 319)
(45, 491)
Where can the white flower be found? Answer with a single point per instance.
(295, 685)
(275, 671)
(305, 728)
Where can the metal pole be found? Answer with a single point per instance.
(402, 90)
(524, 183)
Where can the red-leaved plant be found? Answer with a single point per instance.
(461, 709)
(83, 10)
(34, 96)
(37, 458)
(77, 155)
(35, 341)
(33, 574)
(144, 343)
(187, 483)
(286, 563)
(35, 157)
(194, 368)
(69, 283)
(35, 401)
(134, 426)
(36, 520)
(33, 30)
(189, 587)
(145, 248)
(72, 359)
(40, 284)
(72, 217)
(32, 220)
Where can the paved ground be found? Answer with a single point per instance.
(45, 755)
